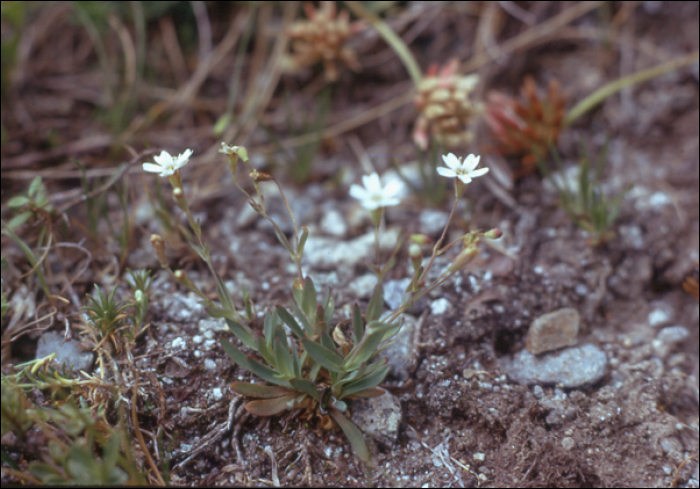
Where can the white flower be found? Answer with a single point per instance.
(373, 196)
(464, 170)
(166, 165)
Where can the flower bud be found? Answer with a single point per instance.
(463, 258)
(494, 233)
(421, 239)
(184, 279)
(259, 176)
(159, 248)
(177, 193)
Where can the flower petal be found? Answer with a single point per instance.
(478, 172)
(358, 192)
(451, 161)
(471, 162)
(445, 172)
(164, 159)
(152, 168)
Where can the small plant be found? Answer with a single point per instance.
(322, 38)
(105, 311)
(109, 314)
(81, 447)
(34, 206)
(310, 365)
(446, 107)
(588, 207)
(140, 282)
(526, 128)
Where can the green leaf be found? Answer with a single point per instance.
(308, 298)
(328, 309)
(265, 351)
(19, 219)
(243, 333)
(324, 356)
(372, 380)
(358, 328)
(235, 354)
(35, 187)
(224, 295)
(291, 322)
(302, 317)
(259, 391)
(326, 339)
(369, 393)
(283, 358)
(268, 328)
(296, 363)
(267, 373)
(270, 407)
(302, 240)
(352, 432)
(283, 240)
(376, 303)
(305, 385)
(18, 201)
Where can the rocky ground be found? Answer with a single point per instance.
(610, 397)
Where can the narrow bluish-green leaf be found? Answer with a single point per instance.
(325, 300)
(265, 351)
(224, 295)
(361, 372)
(283, 358)
(376, 303)
(326, 339)
(372, 380)
(328, 309)
(324, 356)
(235, 354)
(308, 298)
(267, 328)
(243, 333)
(389, 332)
(258, 390)
(267, 373)
(315, 369)
(358, 329)
(302, 240)
(283, 240)
(19, 219)
(17, 201)
(369, 393)
(35, 187)
(352, 432)
(305, 385)
(305, 322)
(296, 362)
(271, 407)
(364, 350)
(291, 322)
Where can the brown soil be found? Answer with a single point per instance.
(637, 427)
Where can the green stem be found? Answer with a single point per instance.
(391, 38)
(604, 92)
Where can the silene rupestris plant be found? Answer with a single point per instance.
(310, 363)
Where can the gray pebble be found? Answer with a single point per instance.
(573, 367)
(568, 443)
(67, 353)
(554, 330)
(379, 417)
